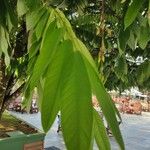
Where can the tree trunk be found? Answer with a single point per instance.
(2, 83)
(6, 84)
(12, 97)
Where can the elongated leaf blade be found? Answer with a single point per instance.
(78, 45)
(12, 13)
(32, 18)
(41, 25)
(76, 109)
(40, 93)
(33, 50)
(122, 39)
(54, 84)
(144, 36)
(143, 72)
(4, 45)
(105, 103)
(97, 86)
(33, 4)
(121, 67)
(50, 44)
(21, 7)
(100, 132)
(132, 12)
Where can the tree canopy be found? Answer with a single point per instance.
(117, 35)
(39, 49)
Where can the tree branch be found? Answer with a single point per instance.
(15, 94)
(10, 98)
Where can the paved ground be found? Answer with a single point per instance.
(135, 130)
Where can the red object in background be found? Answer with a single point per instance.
(136, 107)
(128, 106)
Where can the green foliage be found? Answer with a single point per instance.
(129, 41)
(78, 128)
(143, 73)
(149, 14)
(48, 49)
(58, 71)
(61, 68)
(105, 103)
(32, 18)
(99, 129)
(21, 7)
(11, 14)
(8, 19)
(132, 12)
(41, 25)
(64, 66)
(122, 39)
(4, 44)
(132, 41)
(121, 67)
(144, 36)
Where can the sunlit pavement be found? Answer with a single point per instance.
(135, 130)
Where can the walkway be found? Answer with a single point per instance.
(135, 130)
